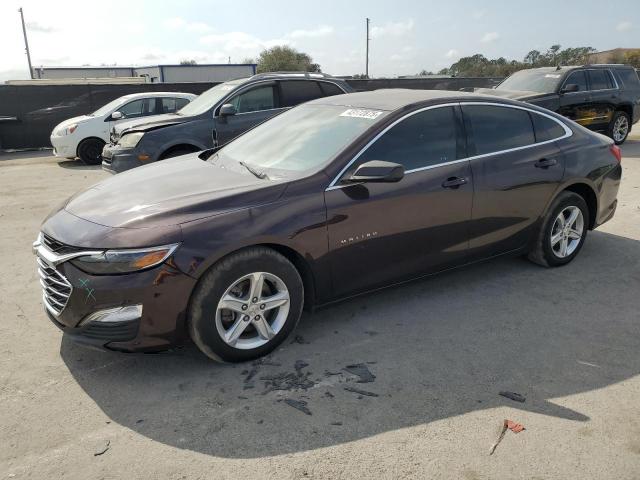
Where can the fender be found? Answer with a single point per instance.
(566, 185)
(178, 141)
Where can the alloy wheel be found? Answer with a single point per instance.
(252, 310)
(567, 231)
(620, 128)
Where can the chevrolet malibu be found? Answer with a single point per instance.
(331, 199)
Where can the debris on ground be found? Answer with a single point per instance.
(297, 380)
(299, 339)
(360, 392)
(516, 397)
(329, 395)
(510, 425)
(103, 450)
(298, 404)
(337, 424)
(362, 371)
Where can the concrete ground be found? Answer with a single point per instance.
(441, 349)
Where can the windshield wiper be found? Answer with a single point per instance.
(260, 175)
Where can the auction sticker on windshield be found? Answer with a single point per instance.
(361, 113)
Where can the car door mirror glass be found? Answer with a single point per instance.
(227, 110)
(117, 116)
(377, 171)
(570, 88)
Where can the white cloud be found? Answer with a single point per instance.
(174, 23)
(321, 31)
(453, 53)
(395, 29)
(490, 37)
(179, 23)
(624, 26)
(478, 14)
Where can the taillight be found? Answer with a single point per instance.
(616, 152)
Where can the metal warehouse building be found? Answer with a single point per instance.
(153, 73)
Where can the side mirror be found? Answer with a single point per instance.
(378, 171)
(570, 88)
(117, 116)
(227, 110)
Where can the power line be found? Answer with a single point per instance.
(367, 59)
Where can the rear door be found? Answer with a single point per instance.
(385, 232)
(253, 106)
(604, 95)
(514, 173)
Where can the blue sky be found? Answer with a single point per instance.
(407, 35)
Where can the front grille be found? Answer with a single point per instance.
(58, 247)
(56, 289)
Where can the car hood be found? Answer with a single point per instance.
(171, 192)
(512, 94)
(72, 120)
(151, 123)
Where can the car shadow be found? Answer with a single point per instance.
(438, 348)
(78, 165)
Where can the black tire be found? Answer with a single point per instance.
(542, 252)
(90, 151)
(175, 153)
(201, 317)
(623, 117)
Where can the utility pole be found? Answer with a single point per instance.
(26, 43)
(366, 74)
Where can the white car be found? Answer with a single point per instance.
(85, 136)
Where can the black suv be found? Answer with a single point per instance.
(215, 117)
(604, 98)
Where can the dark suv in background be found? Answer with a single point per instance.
(215, 117)
(604, 98)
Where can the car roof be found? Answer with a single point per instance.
(312, 76)
(396, 98)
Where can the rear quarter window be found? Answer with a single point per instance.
(330, 89)
(629, 78)
(545, 128)
(493, 129)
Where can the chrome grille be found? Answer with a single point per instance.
(58, 247)
(56, 289)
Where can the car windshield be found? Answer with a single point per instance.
(112, 105)
(302, 139)
(208, 99)
(545, 81)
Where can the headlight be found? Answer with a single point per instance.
(130, 140)
(113, 262)
(68, 130)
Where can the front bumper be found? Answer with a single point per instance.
(162, 293)
(63, 146)
(116, 159)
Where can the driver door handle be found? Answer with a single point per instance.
(454, 182)
(545, 163)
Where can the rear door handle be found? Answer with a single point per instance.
(454, 182)
(546, 163)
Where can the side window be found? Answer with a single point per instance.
(254, 100)
(295, 92)
(578, 78)
(545, 128)
(172, 104)
(424, 139)
(181, 102)
(330, 89)
(139, 108)
(600, 80)
(494, 129)
(629, 77)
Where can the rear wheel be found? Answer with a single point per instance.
(246, 305)
(563, 231)
(90, 151)
(619, 127)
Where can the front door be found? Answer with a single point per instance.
(577, 105)
(385, 232)
(253, 106)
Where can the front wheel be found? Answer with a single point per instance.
(246, 305)
(563, 231)
(90, 151)
(619, 127)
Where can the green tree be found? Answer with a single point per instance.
(285, 58)
(632, 58)
(188, 62)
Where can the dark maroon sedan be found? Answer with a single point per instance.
(330, 199)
